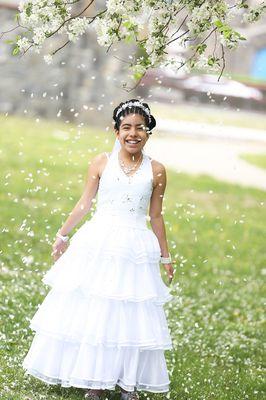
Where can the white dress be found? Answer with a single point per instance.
(103, 323)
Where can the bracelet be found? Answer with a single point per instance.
(64, 238)
(165, 260)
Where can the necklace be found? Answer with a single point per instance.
(128, 169)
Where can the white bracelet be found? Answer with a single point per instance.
(64, 238)
(165, 260)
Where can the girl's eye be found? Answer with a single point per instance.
(126, 128)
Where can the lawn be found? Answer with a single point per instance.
(259, 160)
(216, 233)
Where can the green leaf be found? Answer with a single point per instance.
(192, 63)
(218, 23)
(129, 38)
(16, 17)
(211, 60)
(239, 36)
(127, 24)
(200, 48)
(28, 9)
(15, 51)
(137, 75)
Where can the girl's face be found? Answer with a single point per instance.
(132, 133)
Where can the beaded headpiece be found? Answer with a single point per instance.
(132, 104)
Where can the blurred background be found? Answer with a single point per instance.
(210, 135)
(84, 84)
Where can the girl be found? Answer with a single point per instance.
(103, 323)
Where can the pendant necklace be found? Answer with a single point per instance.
(128, 169)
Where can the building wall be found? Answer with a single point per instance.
(82, 76)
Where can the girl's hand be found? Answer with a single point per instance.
(170, 270)
(59, 247)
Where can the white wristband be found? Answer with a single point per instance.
(64, 238)
(166, 260)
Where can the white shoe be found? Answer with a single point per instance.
(129, 396)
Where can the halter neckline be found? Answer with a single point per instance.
(136, 172)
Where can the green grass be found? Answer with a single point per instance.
(256, 159)
(216, 233)
(211, 115)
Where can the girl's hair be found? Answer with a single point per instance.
(124, 110)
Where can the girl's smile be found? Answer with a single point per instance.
(133, 142)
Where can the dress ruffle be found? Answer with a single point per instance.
(86, 366)
(102, 321)
(100, 262)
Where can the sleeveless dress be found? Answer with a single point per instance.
(103, 323)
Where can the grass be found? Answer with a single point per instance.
(256, 159)
(215, 232)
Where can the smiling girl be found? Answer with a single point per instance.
(103, 323)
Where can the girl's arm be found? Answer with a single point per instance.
(157, 221)
(83, 205)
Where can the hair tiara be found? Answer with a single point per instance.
(131, 104)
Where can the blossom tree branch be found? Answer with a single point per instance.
(151, 25)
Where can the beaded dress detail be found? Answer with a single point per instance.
(103, 322)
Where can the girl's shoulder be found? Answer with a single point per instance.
(99, 158)
(156, 165)
(98, 162)
(158, 171)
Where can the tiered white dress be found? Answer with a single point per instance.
(103, 323)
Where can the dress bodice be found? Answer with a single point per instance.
(122, 196)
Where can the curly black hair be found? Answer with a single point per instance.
(150, 124)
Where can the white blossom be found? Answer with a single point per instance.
(254, 14)
(39, 35)
(76, 28)
(23, 44)
(48, 58)
(152, 20)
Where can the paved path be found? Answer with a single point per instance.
(196, 129)
(218, 158)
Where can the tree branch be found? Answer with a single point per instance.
(180, 26)
(61, 47)
(134, 87)
(9, 30)
(178, 37)
(223, 58)
(70, 18)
